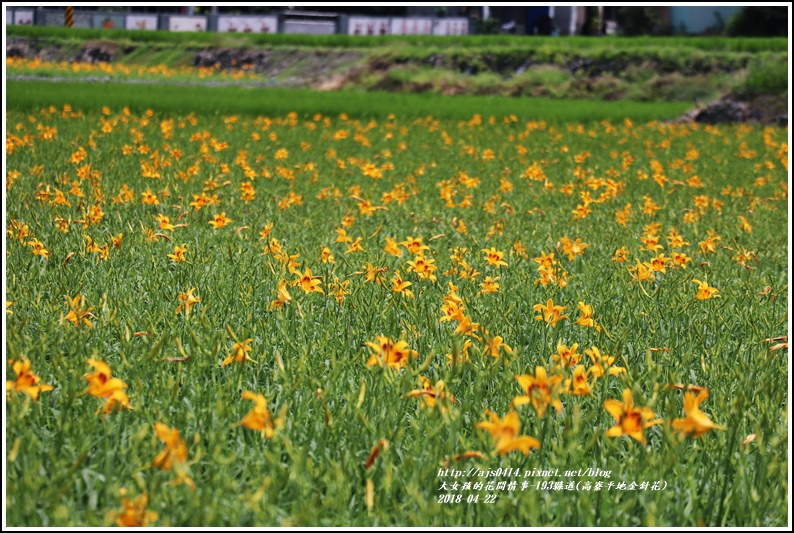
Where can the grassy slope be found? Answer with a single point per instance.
(637, 69)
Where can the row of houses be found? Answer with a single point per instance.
(297, 22)
(427, 20)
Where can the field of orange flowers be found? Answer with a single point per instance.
(324, 320)
(19, 66)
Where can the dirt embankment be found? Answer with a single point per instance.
(704, 80)
(762, 109)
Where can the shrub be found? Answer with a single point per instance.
(766, 76)
(489, 26)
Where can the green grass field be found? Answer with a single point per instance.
(31, 95)
(154, 249)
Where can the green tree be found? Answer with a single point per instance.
(762, 21)
(635, 21)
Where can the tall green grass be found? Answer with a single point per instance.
(31, 95)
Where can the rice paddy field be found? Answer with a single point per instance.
(321, 319)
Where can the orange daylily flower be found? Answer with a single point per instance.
(259, 417)
(566, 356)
(308, 282)
(148, 197)
(372, 273)
(38, 249)
(544, 261)
(430, 394)
(554, 276)
(26, 380)
(578, 385)
(339, 289)
(466, 326)
(400, 286)
(174, 456)
(165, 222)
(696, 423)
(343, 237)
(77, 314)
(414, 245)
(675, 239)
(621, 255)
(704, 291)
(18, 230)
(505, 433)
(133, 513)
(218, 221)
(681, 259)
(494, 257)
(490, 285)
(283, 296)
(587, 317)
(423, 267)
(392, 247)
(541, 391)
(709, 244)
(602, 363)
(179, 254)
(642, 272)
(239, 353)
(326, 256)
(551, 313)
(651, 242)
(572, 248)
(101, 384)
(695, 389)
(630, 420)
(187, 301)
(496, 344)
(388, 353)
(355, 246)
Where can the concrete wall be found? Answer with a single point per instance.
(309, 27)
